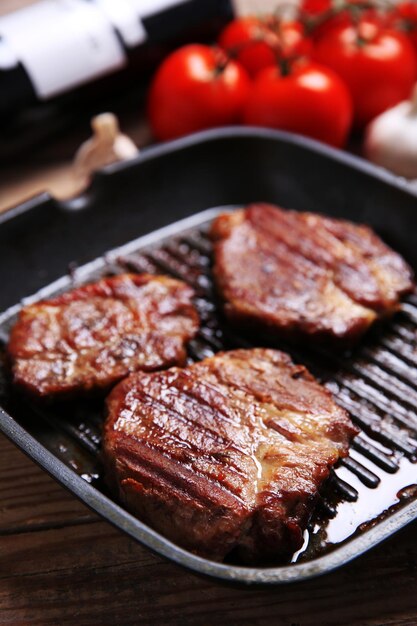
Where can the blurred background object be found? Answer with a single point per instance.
(45, 109)
(63, 62)
(65, 59)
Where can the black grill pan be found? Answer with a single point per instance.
(162, 205)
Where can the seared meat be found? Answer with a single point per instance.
(227, 453)
(304, 275)
(91, 337)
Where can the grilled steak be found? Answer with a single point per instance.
(227, 453)
(304, 275)
(91, 337)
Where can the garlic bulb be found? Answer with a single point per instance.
(391, 139)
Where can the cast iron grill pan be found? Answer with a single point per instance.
(370, 493)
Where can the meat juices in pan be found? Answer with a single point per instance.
(93, 336)
(303, 275)
(229, 453)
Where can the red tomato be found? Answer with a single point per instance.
(257, 43)
(404, 17)
(324, 15)
(310, 100)
(196, 87)
(315, 7)
(318, 7)
(378, 65)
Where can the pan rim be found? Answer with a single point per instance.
(157, 151)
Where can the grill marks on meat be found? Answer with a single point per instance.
(91, 337)
(226, 453)
(305, 275)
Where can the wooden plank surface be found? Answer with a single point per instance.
(60, 564)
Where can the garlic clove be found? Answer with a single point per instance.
(107, 145)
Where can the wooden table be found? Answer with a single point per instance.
(61, 564)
